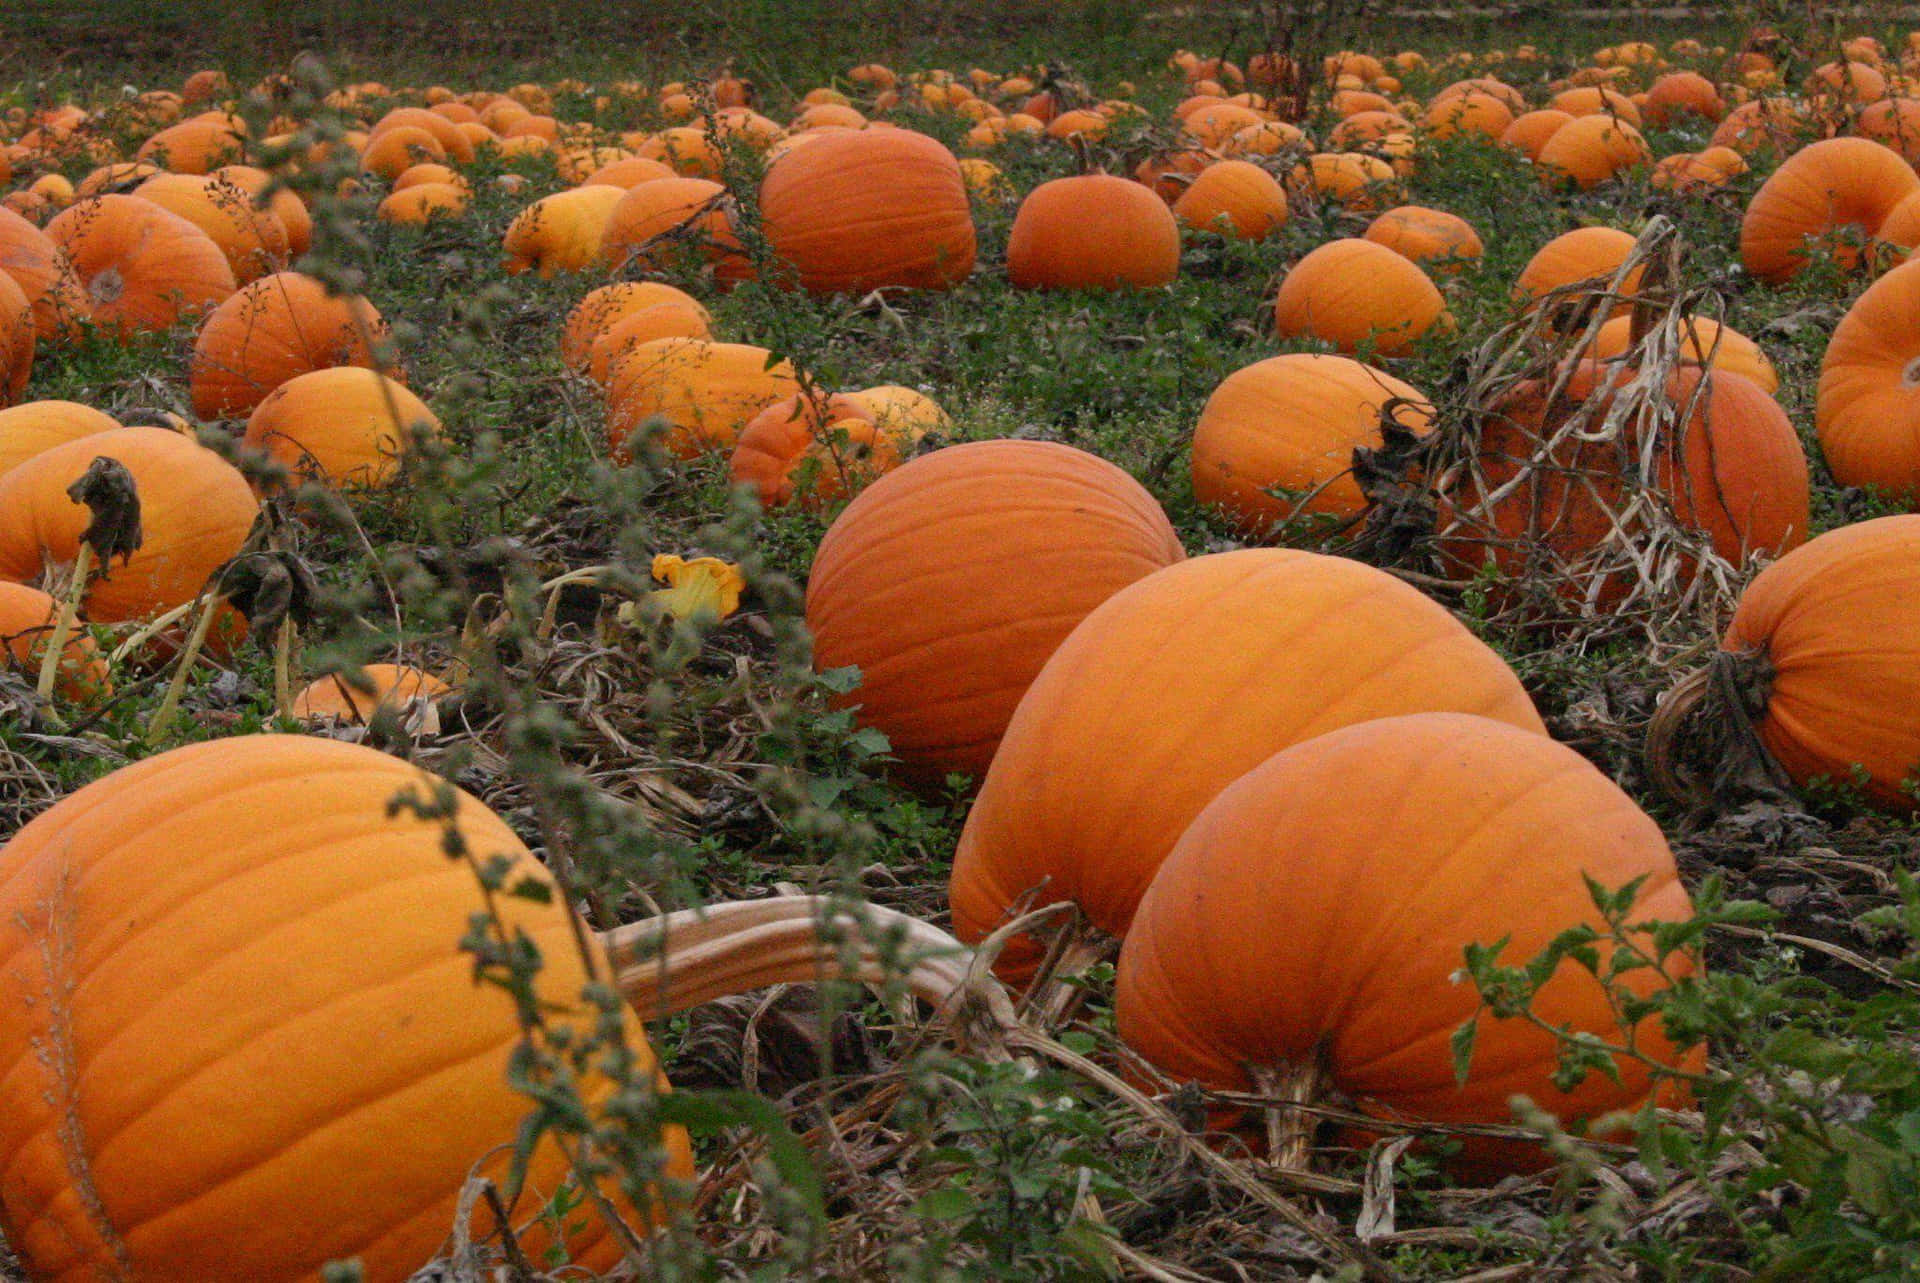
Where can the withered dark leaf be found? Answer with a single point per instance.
(107, 490)
(268, 586)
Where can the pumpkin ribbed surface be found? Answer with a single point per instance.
(272, 330)
(1321, 904)
(1868, 409)
(950, 582)
(1839, 623)
(238, 1038)
(1177, 686)
(1840, 185)
(856, 211)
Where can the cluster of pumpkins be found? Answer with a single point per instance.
(1191, 749)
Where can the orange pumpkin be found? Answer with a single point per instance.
(277, 327)
(1892, 122)
(1313, 918)
(140, 267)
(399, 149)
(1733, 469)
(345, 425)
(1235, 198)
(1589, 150)
(1835, 628)
(1529, 132)
(1841, 187)
(606, 306)
(393, 686)
(562, 232)
(1349, 179)
(1354, 293)
(1867, 412)
(1174, 688)
(254, 240)
(1597, 100)
(34, 426)
(666, 320)
(41, 270)
(445, 131)
(1435, 240)
(815, 448)
(704, 392)
(197, 145)
(950, 581)
(1706, 342)
(655, 219)
(858, 211)
(195, 512)
(421, 203)
(1591, 256)
(1291, 423)
(1092, 232)
(1473, 113)
(315, 947)
(1680, 94)
(285, 204)
(27, 621)
(16, 340)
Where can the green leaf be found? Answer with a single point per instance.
(948, 1203)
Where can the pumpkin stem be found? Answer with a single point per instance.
(1733, 690)
(1052, 999)
(672, 963)
(1289, 1127)
(1910, 376)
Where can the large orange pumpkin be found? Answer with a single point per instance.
(1868, 409)
(342, 1054)
(278, 327)
(1590, 255)
(1842, 187)
(1835, 625)
(1314, 916)
(688, 215)
(345, 425)
(1092, 232)
(703, 392)
(1734, 470)
(1354, 293)
(1291, 424)
(950, 582)
(197, 145)
(1176, 687)
(562, 232)
(41, 270)
(1589, 150)
(195, 512)
(140, 267)
(253, 239)
(856, 211)
(35, 426)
